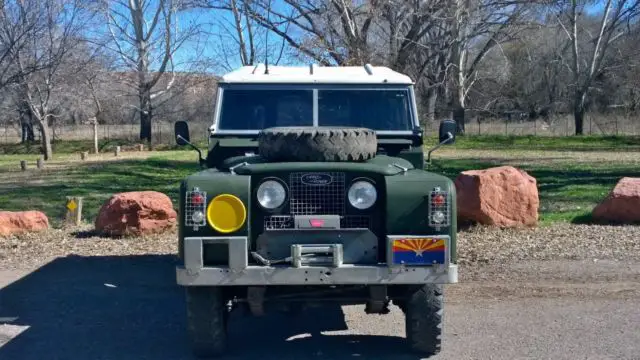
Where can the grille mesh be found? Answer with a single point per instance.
(355, 222)
(328, 199)
(277, 222)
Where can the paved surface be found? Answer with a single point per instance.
(129, 308)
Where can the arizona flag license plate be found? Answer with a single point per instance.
(418, 251)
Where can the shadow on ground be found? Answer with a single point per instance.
(130, 308)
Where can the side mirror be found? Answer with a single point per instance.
(447, 132)
(181, 129)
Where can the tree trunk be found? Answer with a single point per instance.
(46, 140)
(432, 100)
(578, 116)
(95, 136)
(145, 115)
(578, 112)
(26, 124)
(457, 114)
(27, 132)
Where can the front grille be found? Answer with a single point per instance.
(317, 199)
(311, 193)
(279, 222)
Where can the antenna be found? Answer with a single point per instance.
(266, 42)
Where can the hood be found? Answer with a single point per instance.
(381, 164)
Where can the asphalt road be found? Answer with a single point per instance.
(129, 308)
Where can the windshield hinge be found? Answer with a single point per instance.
(234, 167)
(404, 169)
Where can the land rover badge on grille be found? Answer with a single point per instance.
(316, 179)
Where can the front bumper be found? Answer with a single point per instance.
(240, 273)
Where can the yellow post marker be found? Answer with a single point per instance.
(74, 210)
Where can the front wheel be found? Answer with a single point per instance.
(424, 314)
(207, 317)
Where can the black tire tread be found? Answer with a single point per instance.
(317, 144)
(424, 311)
(207, 321)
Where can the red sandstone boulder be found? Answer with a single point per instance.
(622, 205)
(136, 213)
(13, 223)
(502, 196)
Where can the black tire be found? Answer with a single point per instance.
(317, 144)
(207, 317)
(424, 314)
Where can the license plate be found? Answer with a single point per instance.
(419, 251)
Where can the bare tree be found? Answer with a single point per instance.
(38, 64)
(477, 28)
(589, 49)
(146, 35)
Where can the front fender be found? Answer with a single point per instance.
(214, 183)
(407, 206)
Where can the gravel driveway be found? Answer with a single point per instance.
(94, 298)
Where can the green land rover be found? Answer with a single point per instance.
(314, 189)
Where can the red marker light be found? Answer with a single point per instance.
(197, 199)
(439, 200)
(316, 222)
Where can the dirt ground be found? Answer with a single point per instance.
(129, 307)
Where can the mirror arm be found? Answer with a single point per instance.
(201, 160)
(449, 138)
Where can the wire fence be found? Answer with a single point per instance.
(594, 124)
(163, 132)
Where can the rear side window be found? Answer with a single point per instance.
(251, 109)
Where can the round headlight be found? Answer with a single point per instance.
(271, 194)
(362, 195)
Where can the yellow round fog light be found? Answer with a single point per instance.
(226, 213)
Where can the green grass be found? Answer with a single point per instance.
(574, 143)
(77, 146)
(487, 142)
(47, 190)
(570, 183)
(568, 190)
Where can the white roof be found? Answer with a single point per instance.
(317, 74)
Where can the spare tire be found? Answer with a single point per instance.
(317, 144)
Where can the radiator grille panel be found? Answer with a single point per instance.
(308, 199)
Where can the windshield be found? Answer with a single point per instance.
(373, 109)
(254, 109)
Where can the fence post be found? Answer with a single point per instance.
(23, 165)
(40, 163)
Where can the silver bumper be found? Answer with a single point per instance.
(240, 273)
